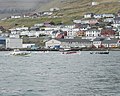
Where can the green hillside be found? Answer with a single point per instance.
(77, 8)
(69, 10)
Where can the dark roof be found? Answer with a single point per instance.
(117, 18)
(93, 29)
(98, 39)
(74, 40)
(110, 41)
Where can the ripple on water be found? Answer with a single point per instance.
(60, 75)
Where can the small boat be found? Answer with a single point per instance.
(71, 52)
(100, 52)
(17, 52)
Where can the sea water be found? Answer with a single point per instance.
(56, 74)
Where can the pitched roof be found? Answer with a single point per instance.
(109, 41)
(74, 40)
(98, 39)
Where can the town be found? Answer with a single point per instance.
(99, 31)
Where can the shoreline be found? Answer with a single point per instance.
(75, 49)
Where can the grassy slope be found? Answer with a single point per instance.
(71, 9)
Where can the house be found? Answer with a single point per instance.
(47, 13)
(84, 27)
(88, 15)
(72, 32)
(97, 16)
(108, 33)
(108, 15)
(10, 43)
(39, 25)
(54, 9)
(70, 26)
(94, 3)
(92, 33)
(14, 43)
(80, 34)
(118, 13)
(97, 42)
(93, 21)
(34, 15)
(76, 21)
(117, 35)
(14, 36)
(68, 43)
(15, 17)
(111, 43)
(34, 28)
(116, 22)
(52, 43)
(109, 20)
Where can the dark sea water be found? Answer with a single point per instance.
(56, 74)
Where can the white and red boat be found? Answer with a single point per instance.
(71, 52)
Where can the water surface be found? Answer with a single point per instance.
(56, 74)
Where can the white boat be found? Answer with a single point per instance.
(17, 52)
(71, 52)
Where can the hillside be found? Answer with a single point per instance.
(76, 8)
(69, 10)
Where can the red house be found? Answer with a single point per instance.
(107, 33)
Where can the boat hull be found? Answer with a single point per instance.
(99, 52)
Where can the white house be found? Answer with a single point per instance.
(98, 16)
(54, 9)
(47, 13)
(52, 43)
(77, 21)
(108, 15)
(108, 20)
(14, 36)
(88, 15)
(94, 3)
(15, 17)
(68, 43)
(93, 33)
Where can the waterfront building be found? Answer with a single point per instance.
(68, 43)
(10, 43)
(13, 43)
(111, 43)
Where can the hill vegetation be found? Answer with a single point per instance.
(69, 10)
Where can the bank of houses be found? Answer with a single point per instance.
(93, 30)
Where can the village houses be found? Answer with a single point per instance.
(89, 29)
